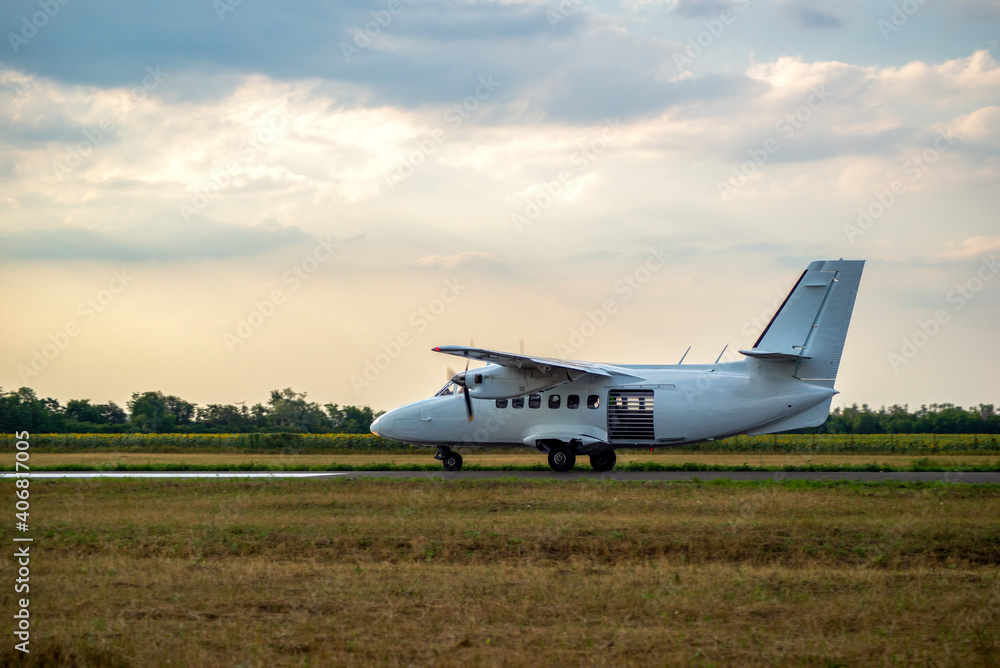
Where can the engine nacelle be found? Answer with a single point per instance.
(500, 382)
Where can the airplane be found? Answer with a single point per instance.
(568, 408)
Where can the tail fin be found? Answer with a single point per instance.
(811, 325)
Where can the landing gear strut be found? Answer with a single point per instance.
(561, 458)
(603, 461)
(452, 460)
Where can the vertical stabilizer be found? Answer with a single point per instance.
(811, 325)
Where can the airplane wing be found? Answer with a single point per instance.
(542, 364)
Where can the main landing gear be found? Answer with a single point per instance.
(562, 459)
(452, 460)
(603, 461)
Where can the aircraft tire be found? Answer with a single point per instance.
(561, 458)
(603, 461)
(452, 461)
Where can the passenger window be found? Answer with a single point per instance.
(534, 401)
(501, 403)
(593, 401)
(517, 403)
(573, 401)
(553, 401)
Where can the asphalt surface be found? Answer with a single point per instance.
(928, 476)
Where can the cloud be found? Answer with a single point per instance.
(692, 9)
(981, 128)
(809, 14)
(978, 10)
(159, 240)
(466, 258)
(967, 249)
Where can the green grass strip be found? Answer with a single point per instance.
(631, 466)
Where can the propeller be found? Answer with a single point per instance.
(459, 379)
(465, 391)
(468, 404)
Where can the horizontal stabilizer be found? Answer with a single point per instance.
(771, 355)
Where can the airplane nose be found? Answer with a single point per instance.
(374, 427)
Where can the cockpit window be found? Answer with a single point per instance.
(449, 388)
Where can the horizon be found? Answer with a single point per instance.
(220, 200)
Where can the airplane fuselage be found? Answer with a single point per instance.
(660, 406)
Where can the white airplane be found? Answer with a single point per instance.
(568, 408)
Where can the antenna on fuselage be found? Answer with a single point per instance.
(722, 353)
(684, 355)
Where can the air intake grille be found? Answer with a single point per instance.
(630, 415)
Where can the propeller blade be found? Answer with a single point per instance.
(465, 387)
(521, 343)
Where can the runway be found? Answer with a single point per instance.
(667, 476)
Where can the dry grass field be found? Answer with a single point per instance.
(451, 572)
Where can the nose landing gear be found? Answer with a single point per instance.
(452, 460)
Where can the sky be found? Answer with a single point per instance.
(218, 198)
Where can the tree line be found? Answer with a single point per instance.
(290, 411)
(933, 419)
(156, 412)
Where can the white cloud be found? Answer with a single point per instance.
(982, 126)
(970, 248)
(457, 259)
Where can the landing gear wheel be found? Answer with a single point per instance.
(604, 461)
(452, 461)
(561, 458)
